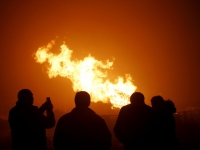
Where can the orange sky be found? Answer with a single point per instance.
(156, 42)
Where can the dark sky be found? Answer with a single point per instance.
(156, 42)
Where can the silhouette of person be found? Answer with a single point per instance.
(134, 123)
(164, 124)
(28, 124)
(82, 128)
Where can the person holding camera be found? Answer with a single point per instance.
(28, 122)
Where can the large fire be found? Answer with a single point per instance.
(88, 74)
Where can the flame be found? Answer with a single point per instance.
(88, 75)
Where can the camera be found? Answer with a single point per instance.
(48, 100)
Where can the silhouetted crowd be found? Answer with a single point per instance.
(138, 125)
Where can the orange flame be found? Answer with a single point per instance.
(88, 74)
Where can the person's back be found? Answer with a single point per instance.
(26, 129)
(164, 124)
(82, 128)
(134, 123)
(27, 124)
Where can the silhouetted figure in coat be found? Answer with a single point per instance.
(164, 124)
(134, 124)
(82, 128)
(28, 124)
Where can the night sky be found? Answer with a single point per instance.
(155, 41)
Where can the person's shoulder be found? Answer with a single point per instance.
(33, 108)
(13, 109)
(146, 106)
(93, 113)
(129, 106)
(13, 112)
(148, 109)
(126, 109)
(65, 116)
(94, 116)
(126, 106)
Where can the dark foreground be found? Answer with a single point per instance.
(187, 128)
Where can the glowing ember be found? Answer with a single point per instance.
(88, 74)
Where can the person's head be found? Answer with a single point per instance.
(82, 99)
(157, 102)
(169, 107)
(137, 98)
(25, 96)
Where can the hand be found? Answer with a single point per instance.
(49, 106)
(43, 108)
(46, 106)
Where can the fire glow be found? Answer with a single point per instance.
(88, 75)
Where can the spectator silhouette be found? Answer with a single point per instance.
(82, 128)
(164, 124)
(28, 124)
(134, 123)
